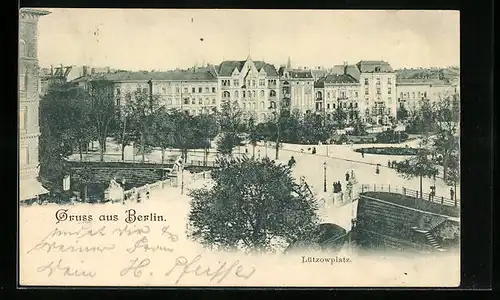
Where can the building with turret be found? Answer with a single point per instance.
(297, 86)
(253, 86)
(29, 88)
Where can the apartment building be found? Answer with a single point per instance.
(29, 98)
(416, 85)
(297, 87)
(193, 91)
(252, 86)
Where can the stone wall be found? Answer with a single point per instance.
(383, 225)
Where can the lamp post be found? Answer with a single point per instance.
(324, 177)
(277, 130)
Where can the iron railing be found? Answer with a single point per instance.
(410, 193)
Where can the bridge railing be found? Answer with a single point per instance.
(145, 190)
(410, 193)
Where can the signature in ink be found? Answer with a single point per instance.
(131, 231)
(171, 236)
(53, 267)
(49, 246)
(217, 274)
(136, 267)
(143, 244)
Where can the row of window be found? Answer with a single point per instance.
(200, 101)
(377, 81)
(194, 90)
(253, 105)
(342, 105)
(413, 95)
(249, 82)
(249, 94)
(379, 91)
(342, 94)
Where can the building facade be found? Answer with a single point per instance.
(417, 85)
(370, 90)
(297, 87)
(193, 91)
(29, 85)
(378, 91)
(253, 86)
(341, 92)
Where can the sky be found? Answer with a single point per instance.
(137, 39)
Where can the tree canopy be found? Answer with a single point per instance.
(253, 205)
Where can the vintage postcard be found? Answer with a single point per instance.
(270, 148)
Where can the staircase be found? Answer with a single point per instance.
(433, 241)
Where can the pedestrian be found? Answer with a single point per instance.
(347, 176)
(377, 169)
(291, 162)
(340, 186)
(389, 163)
(452, 194)
(314, 150)
(432, 194)
(362, 153)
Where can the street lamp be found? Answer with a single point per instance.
(277, 129)
(324, 177)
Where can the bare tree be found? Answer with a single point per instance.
(103, 109)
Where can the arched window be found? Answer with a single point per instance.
(23, 50)
(262, 93)
(226, 94)
(236, 94)
(244, 94)
(272, 93)
(318, 95)
(262, 117)
(262, 105)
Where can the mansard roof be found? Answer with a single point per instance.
(374, 66)
(227, 67)
(194, 74)
(340, 78)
